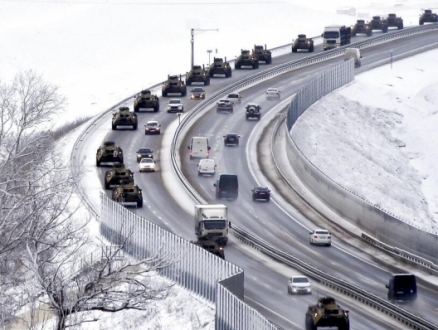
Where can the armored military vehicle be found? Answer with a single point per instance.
(198, 74)
(117, 174)
(174, 84)
(394, 21)
(220, 66)
(109, 152)
(124, 117)
(252, 110)
(127, 192)
(378, 23)
(211, 246)
(361, 28)
(428, 17)
(302, 42)
(327, 313)
(146, 100)
(263, 54)
(246, 58)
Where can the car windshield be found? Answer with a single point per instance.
(272, 90)
(197, 89)
(331, 34)
(233, 96)
(174, 102)
(215, 224)
(300, 280)
(322, 232)
(152, 124)
(147, 160)
(141, 151)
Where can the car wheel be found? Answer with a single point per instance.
(330, 244)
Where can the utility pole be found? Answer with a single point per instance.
(193, 42)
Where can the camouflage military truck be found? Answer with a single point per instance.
(302, 42)
(146, 100)
(263, 54)
(428, 17)
(109, 152)
(174, 84)
(198, 74)
(127, 192)
(124, 117)
(361, 28)
(246, 58)
(220, 66)
(327, 313)
(378, 23)
(117, 174)
(394, 21)
(211, 246)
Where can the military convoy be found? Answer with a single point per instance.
(394, 21)
(174, 84)
(246, 58)
(327, 313)
(378, 23)
(117, 174)
(220, 66)
(146, 100)
(428, 17)
(263, 54)
(109, 152)
(302, 42)
(361, 28)
(124, 117)
(128, 193)
(198, 74)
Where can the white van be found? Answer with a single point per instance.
(199, 147)
(355, 54)
(206, 166)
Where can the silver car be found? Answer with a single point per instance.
(299, 284)
(146, 165)
(320, 236)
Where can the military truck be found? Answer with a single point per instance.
(302, 42)
(124, 117)
(263, 54)
(327, 313)
(146, 100)
(128, 193)
(394, 21)
(109, 152)
(174, 84)
(428, 17)
(220, 66)
(198, 74)
(117, 174)
(361, 28)
(378, 23)
(211, 246)
(246, 58)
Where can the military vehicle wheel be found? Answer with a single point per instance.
(207, 82)
(136, 109)
(309, 323)
(140, 203)
(211, 73)
(370, 33)
(114, 127)
(97, 163)
(256, 65)
(353, 34)
(184, 92)
(135, 126)
(237, 66)
(228, 74)
(311, 49)
(294, 50)
(385, 29)
(164, 93)
(188, 82)
(400, 26)
(107, 186)
(421, 22)
(269, 60)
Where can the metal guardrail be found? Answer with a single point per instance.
(350, 290)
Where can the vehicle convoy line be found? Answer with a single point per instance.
(251, 80)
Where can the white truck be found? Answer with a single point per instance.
(335, 36)
(211, 223)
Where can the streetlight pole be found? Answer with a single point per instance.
(192, 31)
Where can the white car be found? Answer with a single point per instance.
(299, 284)
(320, 236)
(207, 166)
(146, 165)
(234, 98)
(273, 93)
(175, 105)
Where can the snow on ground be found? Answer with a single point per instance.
(382, 129)
(102, 51)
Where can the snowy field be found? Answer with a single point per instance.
(100, 52)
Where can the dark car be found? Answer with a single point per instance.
(261, 193)
(252, 110)
(231, 139)
(402, 287)
(227, 186)
(152, 127)
(197, 93)
(144, 153)
(224, 105)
